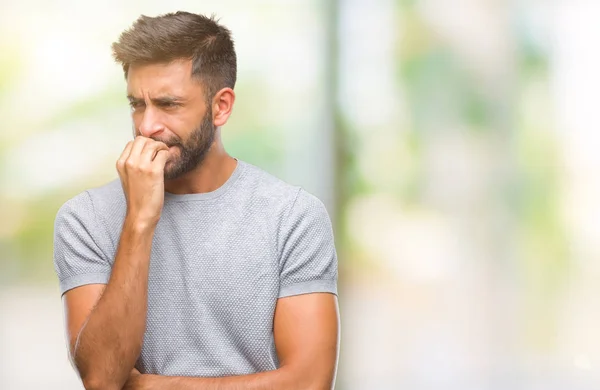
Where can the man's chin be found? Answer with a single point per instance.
(170, 170)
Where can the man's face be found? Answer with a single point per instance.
(168, 105)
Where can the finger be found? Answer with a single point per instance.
(161, 159)
(138, 146)
(150, 150)
(124, 155)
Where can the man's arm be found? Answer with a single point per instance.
(106, 325)
(306, 331)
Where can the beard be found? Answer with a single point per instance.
(192, 151)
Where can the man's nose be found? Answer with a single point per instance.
(151, 123)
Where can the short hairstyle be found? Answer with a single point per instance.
(181, 35)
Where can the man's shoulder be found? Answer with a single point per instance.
(268, 187)
(290, 202)
(109, 195)
(107, 198)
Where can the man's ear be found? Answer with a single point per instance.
(222, 105)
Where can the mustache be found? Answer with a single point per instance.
(169, 142)
(173, 141)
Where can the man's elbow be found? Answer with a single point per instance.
(321, 385)
(97, 383)
(324, 380)
(94, 380)
(321, 377)
(96, 377)
(310, 379)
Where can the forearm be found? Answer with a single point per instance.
(110, 342)
(282, 378)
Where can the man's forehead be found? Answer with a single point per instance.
(174, 78)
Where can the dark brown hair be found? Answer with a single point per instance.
(181, 35)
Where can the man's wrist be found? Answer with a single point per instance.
(138, 225)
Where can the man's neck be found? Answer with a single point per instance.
(211, 174)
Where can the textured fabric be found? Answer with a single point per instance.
(219, 262)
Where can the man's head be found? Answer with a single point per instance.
(180, 70)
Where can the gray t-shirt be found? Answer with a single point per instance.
(219, 262)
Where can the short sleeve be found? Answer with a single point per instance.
(308, 262)
(78, 260)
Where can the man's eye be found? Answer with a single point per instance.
(136, 105)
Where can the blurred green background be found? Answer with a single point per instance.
(454, 144)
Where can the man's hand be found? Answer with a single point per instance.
(106, 324)
(141, 169)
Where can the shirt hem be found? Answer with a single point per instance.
(82, 280)
(314, 286)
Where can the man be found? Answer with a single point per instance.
(195, 270)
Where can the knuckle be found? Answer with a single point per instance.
(145, 168)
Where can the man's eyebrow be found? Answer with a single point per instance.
(158, 100)
(166, 100)
(132, 98)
